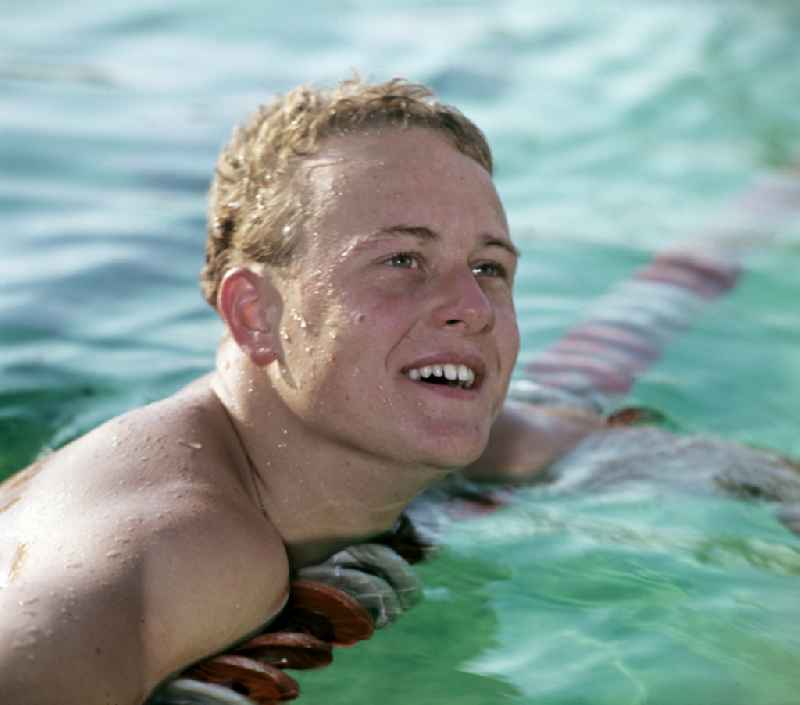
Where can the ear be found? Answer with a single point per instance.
(248, 302)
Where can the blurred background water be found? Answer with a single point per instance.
(617, 128)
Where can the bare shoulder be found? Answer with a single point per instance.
(140, 545)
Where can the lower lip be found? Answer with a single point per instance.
(445, 390)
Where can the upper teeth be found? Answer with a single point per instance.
(460, 373)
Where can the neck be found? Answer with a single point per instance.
(319, 494)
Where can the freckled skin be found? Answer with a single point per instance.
(169, 533)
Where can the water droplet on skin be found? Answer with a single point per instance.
(191, 444)
(113, 554)
(301, 321)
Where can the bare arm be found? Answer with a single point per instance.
(526, 438)
(92, 621)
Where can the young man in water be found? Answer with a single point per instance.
(361, 260)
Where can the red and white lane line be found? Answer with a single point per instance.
(626, 331)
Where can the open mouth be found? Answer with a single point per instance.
(449, 375)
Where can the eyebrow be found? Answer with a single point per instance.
(423, 233)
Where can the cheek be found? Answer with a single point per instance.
(340, 348)
(354, 349)
(508, 330)
(379, 308)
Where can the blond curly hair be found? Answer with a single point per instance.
(256, 205)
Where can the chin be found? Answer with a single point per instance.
(450, 453)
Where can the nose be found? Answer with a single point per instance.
(460, 302)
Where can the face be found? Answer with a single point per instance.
(402, 280)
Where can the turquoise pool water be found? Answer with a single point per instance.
(617, 127)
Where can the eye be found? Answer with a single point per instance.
(404, 260)
(490, 269)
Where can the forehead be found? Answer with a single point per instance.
(401, 176)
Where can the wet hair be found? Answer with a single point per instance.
(256, 202)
